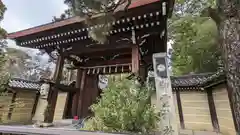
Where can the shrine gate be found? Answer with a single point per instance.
(136, 35)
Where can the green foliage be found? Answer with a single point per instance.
(195, 46)
(195, 38)
(2, 11)
(4, 76)
(123, 107)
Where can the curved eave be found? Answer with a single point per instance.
(77, 19)
(44, 27)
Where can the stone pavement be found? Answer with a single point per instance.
(68, 125)
(191, 132)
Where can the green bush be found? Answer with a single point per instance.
(124, 107)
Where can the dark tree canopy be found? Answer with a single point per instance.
(3, 75)
(2, 11)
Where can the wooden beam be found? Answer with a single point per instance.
(66, 106)
(81, 49)
(121, 51)
(65, 88)
(180, 111)
(10, 111)
(35, 104)
(212, 109)
(58, 70)
(135, 59)
(53, 93)
(107, 62)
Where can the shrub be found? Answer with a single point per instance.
(124, 107)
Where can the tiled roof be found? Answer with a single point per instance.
(199, 80)
(193, 81)
(23, 84)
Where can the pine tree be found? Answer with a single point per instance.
(4, 76)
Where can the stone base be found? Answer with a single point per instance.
(47, 124)
(75, 121)
(42, 125)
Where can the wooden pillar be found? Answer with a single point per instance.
(212, 109)
(77, 94)
(81, 93)
(53, 93)
(135, 59)
(89, 94)
(35, 104)
(164, 94)
(143, 72)
(180, 111)
(12, 106)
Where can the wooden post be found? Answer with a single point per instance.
(35, 104)
(135, 59)
(52, 98)
(165, 102)
(12, 106)
(77, 94)
(81, 94)
(135, 54)
(180, 111)
(143, 72)
(213, 111)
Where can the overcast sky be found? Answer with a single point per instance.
(23, 14)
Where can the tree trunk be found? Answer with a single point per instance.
(229, 32)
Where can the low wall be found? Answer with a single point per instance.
(18, 108)
(5, 103)
(223, 110)
(60, 105)
(196, 112)
(59, 110)
(39, 113)
(22, 113)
